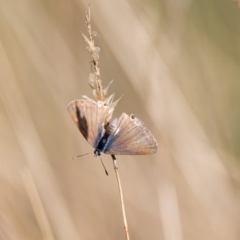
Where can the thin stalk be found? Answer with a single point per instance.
(101, 94)
(121, 196)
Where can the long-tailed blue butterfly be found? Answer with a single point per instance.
(123, 136)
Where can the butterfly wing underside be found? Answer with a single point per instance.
(131, 137)
(89, 116)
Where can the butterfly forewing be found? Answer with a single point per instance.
(89, 116)
(131, 137)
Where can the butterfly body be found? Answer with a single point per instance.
(103, 143)
(123, 136)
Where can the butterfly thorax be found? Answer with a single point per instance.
(106, 138)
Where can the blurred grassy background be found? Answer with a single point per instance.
(177, 64)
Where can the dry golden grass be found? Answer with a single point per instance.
(177, 65)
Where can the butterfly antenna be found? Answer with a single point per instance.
(80, 156)
(104, 166)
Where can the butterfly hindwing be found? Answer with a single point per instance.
(89, 116)
(131, 137)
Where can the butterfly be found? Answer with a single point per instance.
(123, 136)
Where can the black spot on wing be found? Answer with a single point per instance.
(82, 123)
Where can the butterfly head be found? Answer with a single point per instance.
(96, 153)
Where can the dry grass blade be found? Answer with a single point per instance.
(94, 76)
(100, 93)
(32, 147)
(37, 205)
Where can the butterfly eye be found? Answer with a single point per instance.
(132, 116)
